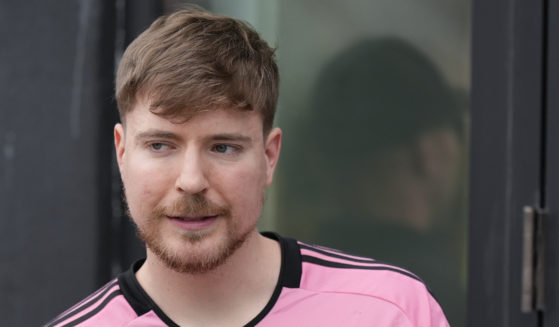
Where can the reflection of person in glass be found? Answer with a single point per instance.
(387, 131)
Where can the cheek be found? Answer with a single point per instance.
(244, 188)
(144, 186)
(249, 176)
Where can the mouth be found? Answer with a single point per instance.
(193, 218)
(194, 222)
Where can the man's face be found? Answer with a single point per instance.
(195, 189)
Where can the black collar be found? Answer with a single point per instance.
(289, 277)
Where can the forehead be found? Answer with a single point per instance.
(208, 121)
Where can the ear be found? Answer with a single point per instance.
(119, 143)
(272, 152)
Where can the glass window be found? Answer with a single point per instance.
(374, 111)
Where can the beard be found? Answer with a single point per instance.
(190, 256)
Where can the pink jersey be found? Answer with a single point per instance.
(317, 287)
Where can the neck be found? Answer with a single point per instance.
(238, 289)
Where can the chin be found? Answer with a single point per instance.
(194, 252)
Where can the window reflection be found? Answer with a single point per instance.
(372, 104)
(382, 149)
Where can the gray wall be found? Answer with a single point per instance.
(56, 118)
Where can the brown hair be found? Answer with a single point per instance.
(192, 61)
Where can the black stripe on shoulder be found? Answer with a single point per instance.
(331, 264)
(94, 311)
(339, 255)
(84, 304)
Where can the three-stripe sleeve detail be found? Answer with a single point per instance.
(88, 304)
(336, 259)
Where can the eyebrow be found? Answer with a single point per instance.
(231, 137)
(153, 133)
(172, 136)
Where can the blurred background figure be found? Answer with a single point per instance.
(383, 156)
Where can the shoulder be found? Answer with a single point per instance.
(328, 271)
(106, 306)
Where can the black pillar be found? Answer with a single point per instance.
(56, 118)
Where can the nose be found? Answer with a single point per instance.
(192, 178)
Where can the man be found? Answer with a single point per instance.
(196, 150)
(403, 142)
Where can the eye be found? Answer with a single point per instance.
(157, 146)
(222, 148)
(226, 149)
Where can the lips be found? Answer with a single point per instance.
(193, 218)
(193, 222)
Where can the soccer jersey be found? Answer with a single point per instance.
(316, 287)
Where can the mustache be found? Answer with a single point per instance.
(194, 205)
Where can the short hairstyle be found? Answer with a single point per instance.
(379, 94)
(384, 92)
(192, 61)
